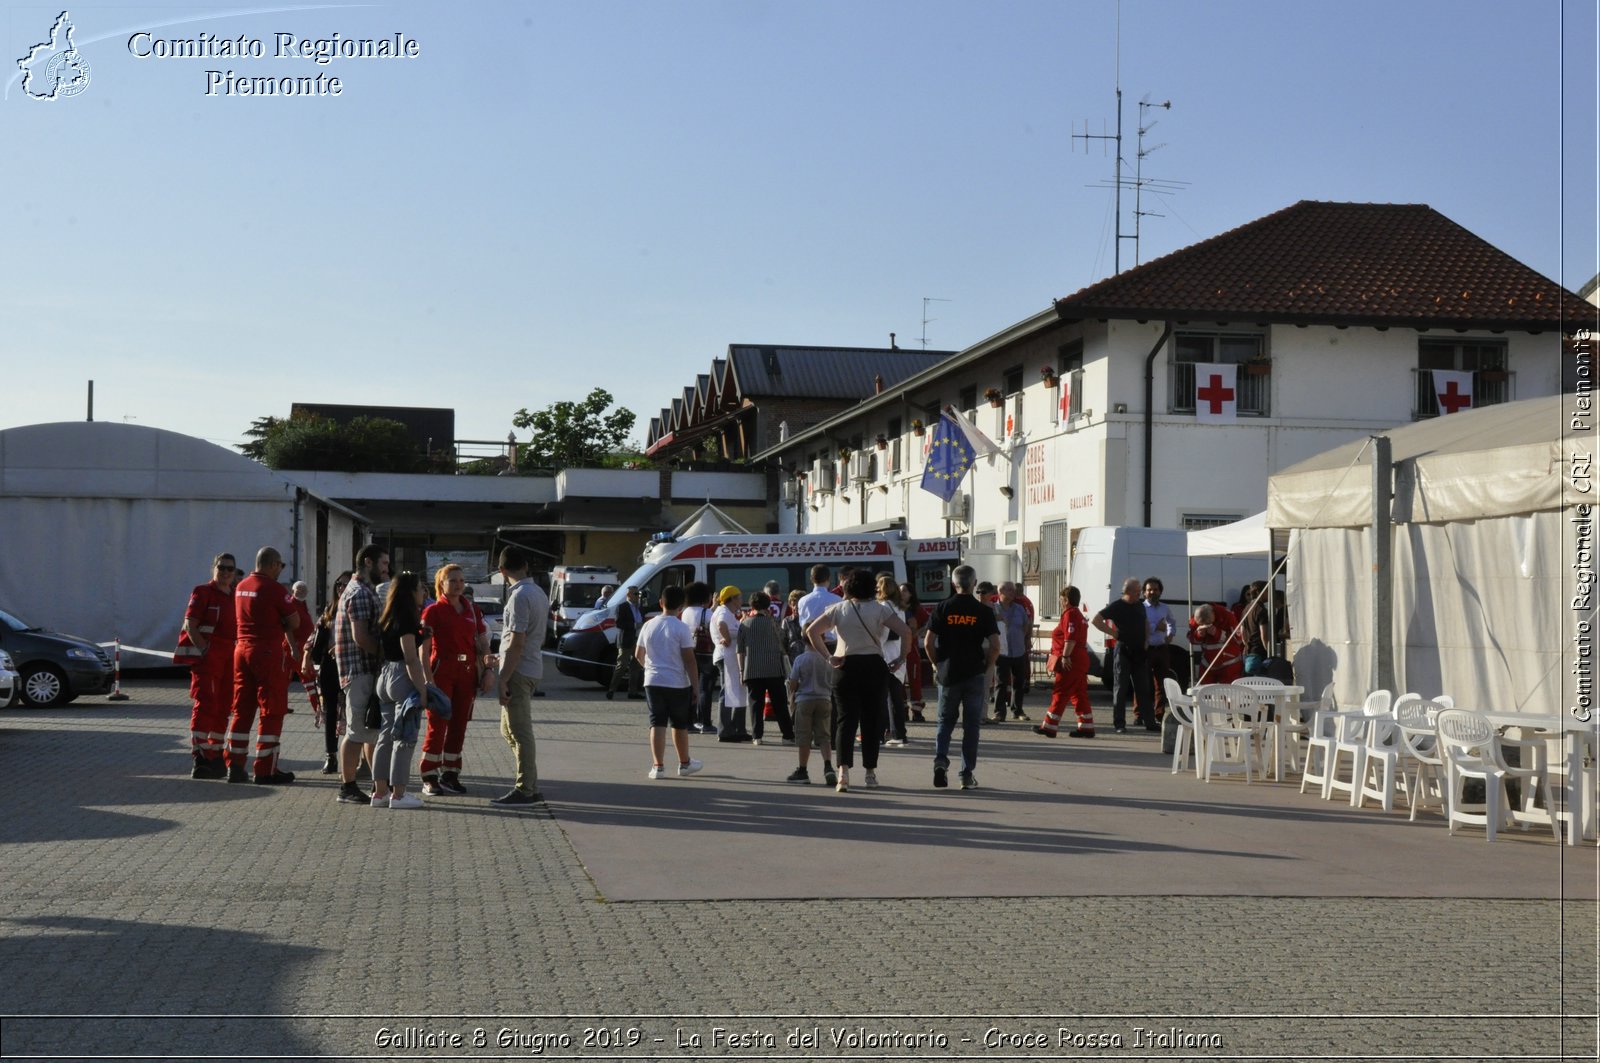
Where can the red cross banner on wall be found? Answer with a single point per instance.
(1453, 389)
(1216, 393)
(1066, 397)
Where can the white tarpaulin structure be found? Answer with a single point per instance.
(107, 527)
(1243, 538)
(1479, 577)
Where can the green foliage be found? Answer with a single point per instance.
(573, 433)
(306, 441)
(258, 432)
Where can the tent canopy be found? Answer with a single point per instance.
(1494, 461)
(1243, 538)
(1477, 577)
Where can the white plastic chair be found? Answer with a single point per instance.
(1324, 734)
(1351, 741)
(1422, 766)
(1296, 725)
(1380, 763)
(1250, 705)
(1181, 706)
(1222, 747)
(1260, 682)
(1472, 751)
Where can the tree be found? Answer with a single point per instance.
(258, 431)
(306, 441)
(573, 433)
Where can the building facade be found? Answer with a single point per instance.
(1333, 316)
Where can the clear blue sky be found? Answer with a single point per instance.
(561, 195)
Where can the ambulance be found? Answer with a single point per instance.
(575, 590)
(589, 650)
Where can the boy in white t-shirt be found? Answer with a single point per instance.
(665, 648)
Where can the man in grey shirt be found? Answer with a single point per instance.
(521, 667)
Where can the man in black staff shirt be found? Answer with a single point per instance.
(962, 643)
(1124, 620)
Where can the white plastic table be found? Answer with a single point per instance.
(1582, 782)
(1280, 698)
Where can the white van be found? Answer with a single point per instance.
(1105, 556)
(748, 562)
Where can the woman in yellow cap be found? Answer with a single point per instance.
(724, 631)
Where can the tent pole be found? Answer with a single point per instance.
(1382, 672)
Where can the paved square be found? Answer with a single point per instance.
(1082, 889)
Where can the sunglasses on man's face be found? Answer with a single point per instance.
(226, 568)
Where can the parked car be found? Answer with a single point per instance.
(8, 678)
(54, 668)
(494, 612)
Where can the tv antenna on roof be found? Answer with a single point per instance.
(1119, 179)
(926, 299)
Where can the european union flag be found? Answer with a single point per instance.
(950, 455)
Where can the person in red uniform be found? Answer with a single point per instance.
(265, 613)
(205, 647)
(1069, 649)
(459, 637)
(1215, 632)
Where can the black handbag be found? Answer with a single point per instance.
(374, 717)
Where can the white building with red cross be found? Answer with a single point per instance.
(1166, 395)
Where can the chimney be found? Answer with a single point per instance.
(893, 346)
(877, 384)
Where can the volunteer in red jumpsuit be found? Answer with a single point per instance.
(205, 647)
(459, 636)
(1069, 647)
(1213, 632)
(265, 612)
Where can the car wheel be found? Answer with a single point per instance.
(43, 686)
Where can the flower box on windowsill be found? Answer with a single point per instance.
(1052, 382)
(1493, 376)
(996, 399)
(918, 428)
(1257, 368)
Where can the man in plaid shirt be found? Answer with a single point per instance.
(355, 648)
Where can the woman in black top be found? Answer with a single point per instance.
(404, 643)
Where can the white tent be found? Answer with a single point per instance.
(1249, 537)
(108, 526)
(1480, 581)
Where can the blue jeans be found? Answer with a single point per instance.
(966, 698)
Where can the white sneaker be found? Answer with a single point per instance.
(872, 780)
(658, 772)
(895, 743)
(380, 802)
(755, 741)
(689, 768)
(405, 801)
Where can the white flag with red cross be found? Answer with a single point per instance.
(1066, 398)
(1216, 393)
(1453, 388)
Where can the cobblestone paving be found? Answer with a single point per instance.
(147, 914)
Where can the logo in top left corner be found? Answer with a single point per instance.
(55, 68)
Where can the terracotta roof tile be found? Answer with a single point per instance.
(1341, 264)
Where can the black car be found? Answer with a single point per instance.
(55, 668)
